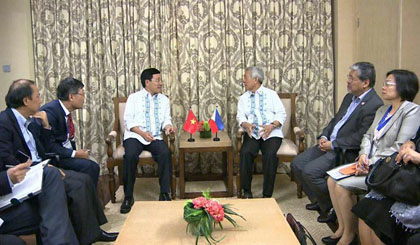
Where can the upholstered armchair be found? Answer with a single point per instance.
(115, 149)
(291, 146)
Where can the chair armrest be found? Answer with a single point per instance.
(301, 137)
(172, 142)
(110, 138)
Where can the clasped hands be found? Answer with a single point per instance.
(324, 144)
(265, 129)
(408, 154)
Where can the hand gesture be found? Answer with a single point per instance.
(148, 136)
(266, 130)
(42, 115)
(82, 153)
(18, 172)
(362, 167)
(248, 128)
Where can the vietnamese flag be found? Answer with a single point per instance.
(216, 122)
(190, 125)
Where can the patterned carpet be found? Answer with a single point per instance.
(284, 193)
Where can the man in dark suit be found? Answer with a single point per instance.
(71, 96)
(44, 212)
(24, 131)
(340, 141)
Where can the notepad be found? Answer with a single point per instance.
(337, 174)
(30, 186)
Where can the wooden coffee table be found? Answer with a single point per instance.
(153, 222)
(207, 145)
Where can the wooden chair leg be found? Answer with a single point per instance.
(173, 181)
(111, 183)
(238, 183)
(298, 189)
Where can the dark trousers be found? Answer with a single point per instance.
(414, 239)
(11, 240)
(310, 168)
(47, 212)
(160, 154)
(249, 151)
(81, 165)
(85, 210)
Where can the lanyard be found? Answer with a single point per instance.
(383, 122)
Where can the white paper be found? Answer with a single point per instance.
(335, 172)
(31, 185)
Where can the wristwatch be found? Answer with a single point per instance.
(274, 125)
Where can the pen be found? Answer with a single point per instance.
(23, 154)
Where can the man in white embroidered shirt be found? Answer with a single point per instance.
(261, 114)
(147, 113)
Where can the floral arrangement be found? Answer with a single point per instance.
(203, 214)
(204, 128)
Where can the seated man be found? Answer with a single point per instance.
(340, 139)
(46, 212)
(23, 132)
(261, 114)
(147, 113)
(71, 96)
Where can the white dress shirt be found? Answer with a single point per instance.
(261, 108)
(67, 143)
(149, 113)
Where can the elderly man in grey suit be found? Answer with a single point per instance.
(340, 141)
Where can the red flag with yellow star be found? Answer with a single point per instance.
(190, 125)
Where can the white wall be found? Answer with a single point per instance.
(15, 44)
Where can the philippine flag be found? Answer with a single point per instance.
(216, 122)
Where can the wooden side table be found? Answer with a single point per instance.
(207, 145)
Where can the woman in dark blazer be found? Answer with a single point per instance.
(393, 125)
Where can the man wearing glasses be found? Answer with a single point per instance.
(340, 141)
(71, 97)
(147, 114)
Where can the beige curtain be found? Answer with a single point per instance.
(201, 48)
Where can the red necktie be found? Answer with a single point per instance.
(70, 126)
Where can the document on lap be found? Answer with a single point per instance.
(343, 171)
(30, 186)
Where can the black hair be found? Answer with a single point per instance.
(365, 71)
(407, 83)
(19, 90)
(148, 75)
(68, 86)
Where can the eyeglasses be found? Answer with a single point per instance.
(351, 79)
(80, 94)
(157, 80)
(389, 84)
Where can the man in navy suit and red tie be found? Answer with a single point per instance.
(71, 96)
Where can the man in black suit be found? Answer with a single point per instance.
(45, 212)
(24, 131)
(340, 141)
(71, 96)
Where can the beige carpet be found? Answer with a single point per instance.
(284, 193)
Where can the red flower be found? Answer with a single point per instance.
(199, 202)
(215, 209)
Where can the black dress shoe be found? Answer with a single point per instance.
(330, 217)
(313, 206)
(330, 241)
(126, 205)
(247, 195)
(164, 196)
(107, 236)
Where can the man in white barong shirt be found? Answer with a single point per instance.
(147, 113)
(261, 114)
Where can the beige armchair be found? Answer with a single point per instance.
(115, 149)
(292, 145)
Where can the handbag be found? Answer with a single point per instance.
(398, 181)
(300, 231)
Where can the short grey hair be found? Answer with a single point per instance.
(365, 71)
(256, 72)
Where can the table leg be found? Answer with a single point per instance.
(181, 174)
(230, 173)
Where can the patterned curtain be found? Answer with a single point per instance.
(201, 47)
